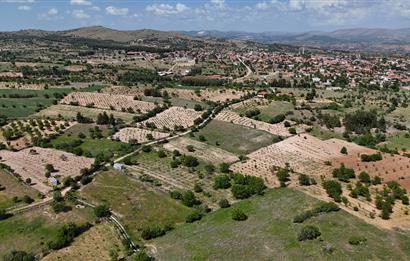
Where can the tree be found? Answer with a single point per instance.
(304, 180)
(189, 161)
(28, 200)
(283, 176)
(309, 233)
(239, 215)
(142, 256)
(222, 182)
(377, 180)
(18, 256)
(195, 216)
(224, 167)
(343, 173)
(198, 107)
(364, 177)
(333, 189)
(343, 150)
(224, 203)
(102, 211)
(189, 199)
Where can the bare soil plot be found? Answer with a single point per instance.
(202, 151)
(70, 112)
(107, 101)
(218, 95)
(94, 244)
(31, 162)
(175, 116)
(275, 129)
(391, 167)
(138, 134)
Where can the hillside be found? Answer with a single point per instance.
(269, 232)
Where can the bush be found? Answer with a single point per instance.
(283, 177)
(239, 215)
(26, 199)
(343, 173)
(152, 232)
(371, 157)
(222, 182)
(189, 161)
(292, 130)
(224, 167)
(333, 189)
(357, 240)
(224, 203)
(343, 150)
(66, 235)
(18, 256)
(321, 208)
(377, 180)
(309, 233)
(364, 177)
(175, 194)
(195, 216)
(102, 211)
(189, 199)
(304, 180)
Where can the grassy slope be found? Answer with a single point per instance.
(30, 231)
(138, 206)
(94, 146)
(13, 188)
(235, 138)
(269, 233)
(269, 111)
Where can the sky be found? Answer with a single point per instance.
(223, 15)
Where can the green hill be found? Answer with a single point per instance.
(270, 234)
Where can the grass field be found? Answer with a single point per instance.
(399, 142)
(270, 234)
(13, 188)
(269, 111)
(94, 244)
(84, 128)
(95, 146)
(23, 107)
(137, 206)
(30, 231)
(322, 134)
(235, 138)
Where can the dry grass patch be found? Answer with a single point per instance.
(139, 135)
(174, 116)
(202, 151)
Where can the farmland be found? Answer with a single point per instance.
(174, 117)
(14, 188)
(138, 135)
(235, 138)
(31, 163)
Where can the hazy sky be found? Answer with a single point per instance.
(245, 15)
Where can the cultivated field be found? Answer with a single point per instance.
(275, 129)
(217, 95)
(31, 162)
(69, 112)
(202, 151)
(302, 153)
(139, 135)
(174, 116)
(124, 90)
(13, 188)
(107, 101)
(28, 129)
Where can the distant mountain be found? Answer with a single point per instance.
(348, 39)
(103, 33)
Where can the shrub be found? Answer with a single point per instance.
(189, 199)
(146, 148)
(304, 180)
(371, 157)
(195, 216)
(283, 176)
(309, 233)
(224, 203)
(152, 232)
(364, 177)
(343, 173)
(357, 240)
(343, 150)
(18, 256)
(224, 167)
(102, 211)
(26, 199)
(222, 182)
(321, 208)
(189, 161)
(333, 189)
(175, 194)
(377, 180)
(292, 130)
(239, 215)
